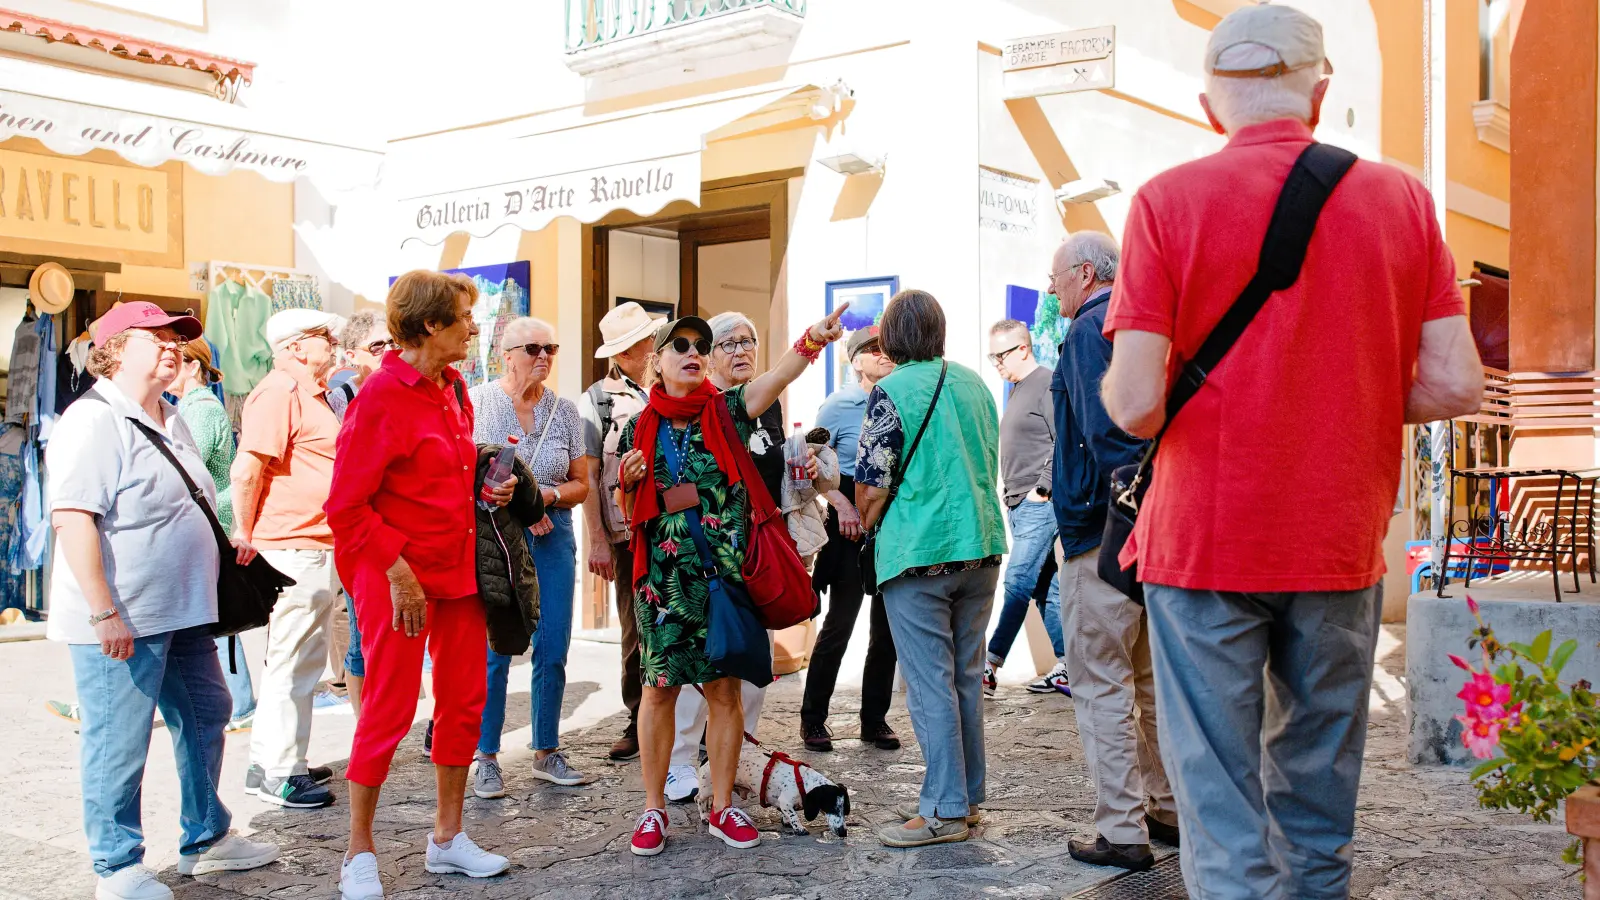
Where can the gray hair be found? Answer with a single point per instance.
(1007, 325)
(912, 328)
(724, 324)
(1094, 247)
(519, 325)
(356, 329)
(1240, 102)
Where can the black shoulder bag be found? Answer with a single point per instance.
(869, 543)
(1314, 176)
(245, 594)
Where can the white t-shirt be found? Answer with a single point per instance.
(159, 552)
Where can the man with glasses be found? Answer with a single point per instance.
(1027, 447)
(362, 343)
(281, 479)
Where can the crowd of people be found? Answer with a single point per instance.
(1226, 710)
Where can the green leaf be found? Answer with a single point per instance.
(1520, 649)
(1487, 766)
(1563, 653)
(1540, 650)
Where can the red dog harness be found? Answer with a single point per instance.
(774, 759)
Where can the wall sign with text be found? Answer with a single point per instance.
(1060, 63)
(61, 205)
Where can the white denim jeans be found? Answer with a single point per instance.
(297, 653)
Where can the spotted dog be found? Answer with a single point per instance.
(793, 787)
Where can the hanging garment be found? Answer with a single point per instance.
(22, 393)
(236, 324)
(12, 591)
(46, 392)
(295, 293)
(35, 527)
(71, 381)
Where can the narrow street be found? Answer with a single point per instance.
(1421, 834)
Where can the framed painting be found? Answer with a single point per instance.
(867, 298)
(503, 292)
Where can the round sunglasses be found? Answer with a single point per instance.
(682, 344)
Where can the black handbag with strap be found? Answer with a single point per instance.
(869, 543)
(245, 594)
(1314, 176)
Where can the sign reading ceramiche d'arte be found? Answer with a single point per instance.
(1060, 48)
(1007, 203)
(586, 195)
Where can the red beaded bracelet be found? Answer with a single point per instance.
(808, 348)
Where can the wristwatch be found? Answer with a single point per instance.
(99, 617)
(558, 497)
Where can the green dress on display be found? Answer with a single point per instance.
(671, 601)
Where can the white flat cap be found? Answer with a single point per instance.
(290, 324)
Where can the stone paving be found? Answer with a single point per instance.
(1420, 834)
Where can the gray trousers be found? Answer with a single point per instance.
(1262, 701)
(938, 623)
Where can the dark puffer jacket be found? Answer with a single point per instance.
(507, 581)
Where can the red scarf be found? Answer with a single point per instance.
(704, 403)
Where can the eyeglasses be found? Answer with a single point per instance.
(998, 358)
(742, 344)
(682, 345)
(1064, 272)
(870, 349)
(536, 349)
(332, 341)
(165, 343)
(377, 347)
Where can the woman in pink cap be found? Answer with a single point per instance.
(134, 595)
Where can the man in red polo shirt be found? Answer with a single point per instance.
(1260, 541)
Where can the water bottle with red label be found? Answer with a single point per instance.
(499, 472)
(794, 454)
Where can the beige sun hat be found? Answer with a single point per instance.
(50, 288)
(623, 327)
(1295, 37)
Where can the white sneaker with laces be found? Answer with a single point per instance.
(1052, 681)
(358, 878)
(133, 882)
(231, 854)
(682, 784)
(462, 857)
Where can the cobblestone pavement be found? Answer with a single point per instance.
(1421, 835)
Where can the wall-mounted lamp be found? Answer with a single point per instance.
(1087, 190)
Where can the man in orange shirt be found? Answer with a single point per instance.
(281, 479)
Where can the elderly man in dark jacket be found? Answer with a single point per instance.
(507, 582)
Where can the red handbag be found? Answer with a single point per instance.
(776, 580)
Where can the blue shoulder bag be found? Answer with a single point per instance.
(735, 641)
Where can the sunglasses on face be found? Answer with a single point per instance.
(377, 347)
(534, 350)
(681, 345)
(742, 344)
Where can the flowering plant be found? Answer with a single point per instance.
(1546, 735)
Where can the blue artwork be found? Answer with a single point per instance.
(867, 298)
(1041, 312)
(503, 292)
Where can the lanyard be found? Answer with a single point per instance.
(676, 453)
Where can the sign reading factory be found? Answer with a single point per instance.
(586, 195)
(1061, 63)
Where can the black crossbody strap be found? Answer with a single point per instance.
(894, 486)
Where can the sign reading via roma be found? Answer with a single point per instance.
(586, 195)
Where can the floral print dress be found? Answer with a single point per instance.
(671, 602)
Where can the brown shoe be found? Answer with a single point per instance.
(880, 735)
(1133, 857)
(627, 746)
(816, 736)
(1161, 831)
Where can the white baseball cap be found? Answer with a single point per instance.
(290, 324)
(1295, 37)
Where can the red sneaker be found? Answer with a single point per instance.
(734, 827)
(650, 836)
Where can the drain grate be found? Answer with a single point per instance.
(1164, 881)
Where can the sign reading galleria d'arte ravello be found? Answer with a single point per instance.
(642, 187)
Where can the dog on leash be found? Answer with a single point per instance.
(792, 787)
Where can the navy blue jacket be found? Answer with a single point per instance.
(1089, 446)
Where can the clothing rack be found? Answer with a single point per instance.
(257, 276)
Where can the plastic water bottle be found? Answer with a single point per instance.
(794, 453)
(499, 472)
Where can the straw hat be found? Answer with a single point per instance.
(623, 327)
(50, 288)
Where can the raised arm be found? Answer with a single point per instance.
(764, 389)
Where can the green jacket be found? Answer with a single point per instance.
(948, 505)
(236, 321)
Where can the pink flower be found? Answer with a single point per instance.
(661, 681)
(668, 546)
(711, 521)
(1480, 735)
(1460, 663)
(650, 595)
(1485, 699)
(1472, 604)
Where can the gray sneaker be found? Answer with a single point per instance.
(933, 831)
(487, 782)
(554, 768)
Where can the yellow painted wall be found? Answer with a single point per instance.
(1471, 239)
(1471, 162)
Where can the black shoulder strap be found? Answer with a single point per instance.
(349, 390)
(894, 486)
(461, 394)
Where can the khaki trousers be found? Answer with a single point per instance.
(297, 651)
(1113, 691)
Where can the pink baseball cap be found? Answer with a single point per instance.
(143, 314)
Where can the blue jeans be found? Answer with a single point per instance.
(555, 556)
(1262, 705)
(938, 622)
(1033, 539)
(354, 663)
(239, 686)
(178, 673)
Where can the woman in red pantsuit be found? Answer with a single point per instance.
(401, 510)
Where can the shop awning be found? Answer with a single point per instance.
(569, 163)
(74, 112)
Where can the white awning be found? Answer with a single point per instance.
(568, 163)
(73, 112)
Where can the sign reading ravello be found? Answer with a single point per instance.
(586, 195)
(64, 204)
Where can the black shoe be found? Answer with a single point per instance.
(817, 736)
(1161, 831)
(295, 792)
(255, 775)
(627, 746)
(427, 739)
(1133, 857)
(880, 735)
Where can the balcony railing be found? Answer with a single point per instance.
(596, 23)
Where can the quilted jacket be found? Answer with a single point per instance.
(507, 581)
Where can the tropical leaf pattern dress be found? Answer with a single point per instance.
(671, 601)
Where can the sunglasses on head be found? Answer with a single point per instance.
(682, 345)
(535, 349)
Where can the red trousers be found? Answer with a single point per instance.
(455, 636)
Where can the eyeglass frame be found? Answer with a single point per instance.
(534, 349)
(382, 347)
(1054, 275)
(701, 346)
(177, 343)
(998, 358)
(738, 345)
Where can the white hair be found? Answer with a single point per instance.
(1240, 102)
(1095, 247)
(522, 325)
(724, 324)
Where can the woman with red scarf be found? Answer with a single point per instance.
(671, 592)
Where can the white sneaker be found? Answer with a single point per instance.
(231, 854)
(462, 857)
(358, 878)
(133, 882)
(1053, 681)
(682, 784)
